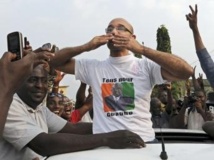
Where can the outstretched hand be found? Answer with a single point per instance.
(98, 41)
(124, 139)
(128, 42)
(192, 17)
(59, 76)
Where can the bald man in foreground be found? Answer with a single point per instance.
(136, 77)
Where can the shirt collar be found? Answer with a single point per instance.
(30, 110)
(122, 59)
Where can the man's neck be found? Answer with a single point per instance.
(119, 53)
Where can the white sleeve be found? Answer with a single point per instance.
(54, 122)
(20, 129)
(83, 69)
(155, 72)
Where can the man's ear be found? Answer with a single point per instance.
(134, 36)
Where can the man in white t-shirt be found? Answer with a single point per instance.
(33, 131)
(136, 76)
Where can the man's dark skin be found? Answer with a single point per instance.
(72, 137)
(12, 74)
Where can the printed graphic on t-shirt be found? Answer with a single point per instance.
(118, 96)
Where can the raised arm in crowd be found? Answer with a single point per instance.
(205, 59)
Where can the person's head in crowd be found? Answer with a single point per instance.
(55, 103)
(196, 101)
(34, 89)
(175, 107)
(163, 97)
(179, 104)
(68, 108)
(200, 95)
(155, 106)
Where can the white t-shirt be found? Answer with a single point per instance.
(22, 125)
(193, 120)
(86, 118)
(137, 76)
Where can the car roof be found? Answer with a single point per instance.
(179, 144)
(175, 151)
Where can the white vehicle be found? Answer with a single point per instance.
(179, 144)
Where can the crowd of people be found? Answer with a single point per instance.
(37, 120)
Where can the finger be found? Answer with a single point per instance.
(53, 48)
(137, 140)
(109, 35)
(38, 50)
(106, 38)
(8, 56)
(41, 61)
(47, 47)
(187, 17)
(45, 55)
(135, 145)
(28, 47)
(196, 9)
(140, 142)
(40, 57)
(25, 52)
(192, 10)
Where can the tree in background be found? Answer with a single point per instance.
(163, 39)
(163, 44)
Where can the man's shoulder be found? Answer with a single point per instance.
(17, 104)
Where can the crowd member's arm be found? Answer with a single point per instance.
(195, 82)
(188, 87)
(178, 121)
(12, 74)
(204, 57)
(51, 144)
(59, 77)
(83, 103)
(87, 106)
(169, 106)
(201, 82)
(77, 114)
(80, 95)
(200, 109)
